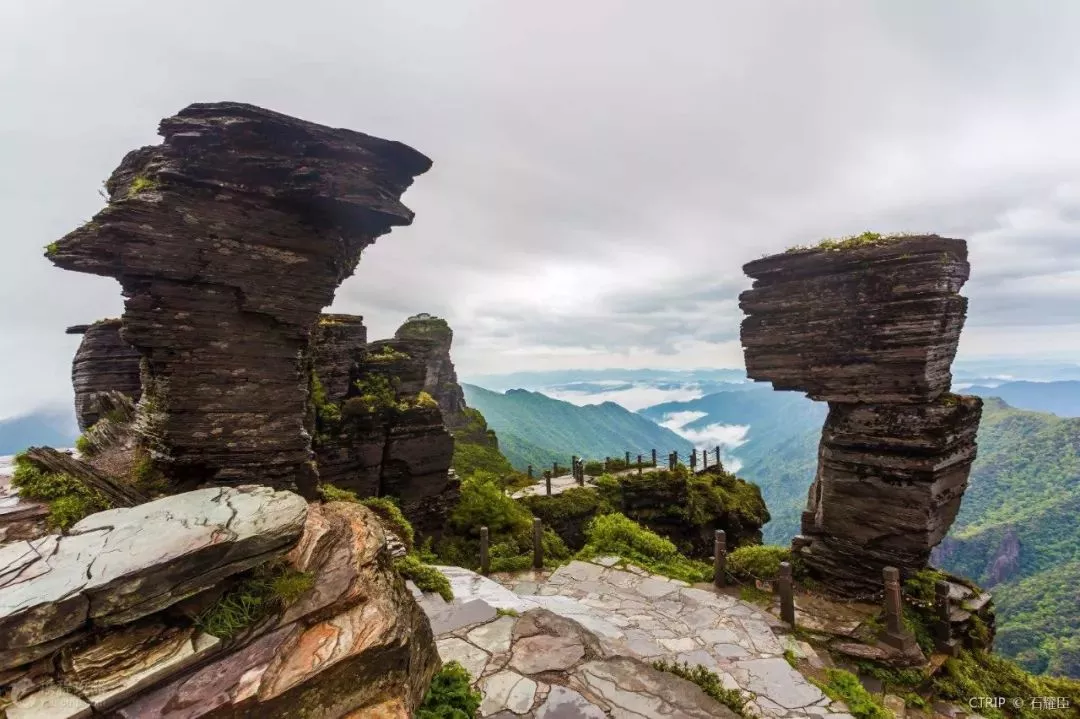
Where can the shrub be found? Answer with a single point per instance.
(426, 577)
(844, 686)
(450, 695)
(141, 184)
(268, 589)
(761, 561)
(390, 513)
(84, 446)
(377, 393)
(483, 504)
(423, 399)
(978, 674)
(330, 493)
(386, 353)
(69, 499)
(709, 682)
(617, 535)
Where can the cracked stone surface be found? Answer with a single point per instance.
(118, 565)
(625, 613)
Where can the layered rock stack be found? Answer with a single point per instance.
(228, 239)
(870, 326)
(431, 337)
(377, 431)
(101, 621)
(104, 362)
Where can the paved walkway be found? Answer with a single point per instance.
(565, 481)
(632, 614)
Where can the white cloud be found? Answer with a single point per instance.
(633, 398)
(727, 437)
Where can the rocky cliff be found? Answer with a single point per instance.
(103, 363)
(431, 338)
(228, 239)
(248, 603)
(870, 325)
(377, 431)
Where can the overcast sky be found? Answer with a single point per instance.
(602, 169)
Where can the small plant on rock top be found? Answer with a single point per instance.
(426, 577)
(268, 589)
(69, 499)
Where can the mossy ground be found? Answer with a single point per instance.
(615, 534)
(710, 683)
(840, 685)
(69, 500)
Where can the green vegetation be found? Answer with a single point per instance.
(615, 534)
(423, 327)
(267, 590)
(750, 593)
(854, 242)
(978, 674)
(499, 611)
(52, 248)
(450, 695)
(538, 430)
(376, 394)
(142, 184)
(424, 576)
(760, 561)
(476, 448)
(423, 399)
(330, 493)
(390, 513)
(710, 683)
(840, 685)
(69, 500)
(84, 446)
(386, 354)
(484, 504)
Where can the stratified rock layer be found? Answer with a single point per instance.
(890, 481)
(377, 434)
(104, 362)
(352, 643)
(228, 240)
(871, 325)
(440, 377)
(867, 324)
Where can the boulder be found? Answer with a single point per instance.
(122, 564)
(228, 240)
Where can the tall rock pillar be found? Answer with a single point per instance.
(870, 325)
(228, 239)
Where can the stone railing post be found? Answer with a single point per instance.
(787, 596)
(704, 459)
(581, 473)
(530, 472)
(719, 558)
(639, 463)
(547, 483)
(485, 562)
(942, 625)
(538, 543)
(607, 464)
(654, 457)
(895, 634)
(672, 460)
(693, 460)
(554, 469)
(628, 460)
(718, 455)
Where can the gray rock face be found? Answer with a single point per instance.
(868, 324)
(122, 564)
(440, 377)
(872, 327)
(229, 238)
(104, 362)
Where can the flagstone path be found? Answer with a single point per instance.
(630, 614)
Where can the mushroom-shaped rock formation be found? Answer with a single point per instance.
(104, 362)
(870, 325)
(431, 337)
(228, 239)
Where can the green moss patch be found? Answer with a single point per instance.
(450, 695)
(978, 674)
(710, 683)
(142, 184)
(840, 685)
(853, 242)
(391, 514)
(424, 576)
(387, 354)
(69, 500)
(615, 534)
(759, 561)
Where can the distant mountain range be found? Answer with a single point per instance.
(52, 427)
(538, 430)
(1061, 397)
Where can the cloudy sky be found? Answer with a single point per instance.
(602, 169)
